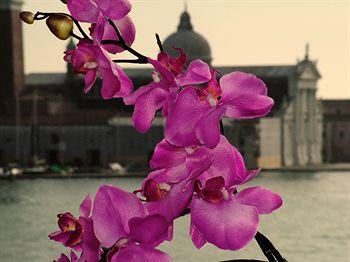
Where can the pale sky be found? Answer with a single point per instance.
(239, 32)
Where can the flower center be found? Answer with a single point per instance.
(214, 190)
(156, 77)
(90, 65)
(154, 191)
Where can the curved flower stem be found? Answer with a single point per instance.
(159, 43)
(270, 252)
(121, 42)
(43, 15)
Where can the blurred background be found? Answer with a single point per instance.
(57, 144)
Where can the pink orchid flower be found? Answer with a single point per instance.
(102, 30)
(197, 111)
(64, 258)
(89, 10)
(90, 59)
(163, 90)
(223, 217)
(168, 190)
(124, 227)
(78, 233)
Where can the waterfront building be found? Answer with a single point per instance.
(46, 115)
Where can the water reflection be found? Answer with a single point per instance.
(309, 227)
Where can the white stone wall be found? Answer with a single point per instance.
(270, 142)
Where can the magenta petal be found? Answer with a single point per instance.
(165, 73)
(208, 128)
(113, 208)
(197, 72)
(90, 244)
(228, 163)
(63, 258)
(90, 78)
(238, 83)
(249, 106)
(114, 9)
(146, 107)
(263, 199)
(166, 155)
(83, 10)
(104, 31)
(140, 253)
(156, 233)
(197, 238)
(183, 118)
(131, 99)
(85, 206)
(175, 202)
(227, 225)
(244, 95)
(59, 236)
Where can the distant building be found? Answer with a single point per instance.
(48, 116)
(336, 130)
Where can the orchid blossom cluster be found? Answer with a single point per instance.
(195, 170)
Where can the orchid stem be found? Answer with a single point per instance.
(131, 61)
(121, 42)
(270, 252)
(159, 43)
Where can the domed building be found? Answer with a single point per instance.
(95, 132)
(192, 43)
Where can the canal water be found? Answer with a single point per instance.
(313, 224)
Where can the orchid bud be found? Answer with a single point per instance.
(27, 17)
(60, 25)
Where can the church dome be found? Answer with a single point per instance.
(193, 44)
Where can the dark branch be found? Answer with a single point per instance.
(270, 252)
(124, 45)
(131, 61)
(159, 43)
(76, 36)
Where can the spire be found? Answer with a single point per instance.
(185, 20)
(306, 58)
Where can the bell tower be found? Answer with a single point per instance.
(11, 52)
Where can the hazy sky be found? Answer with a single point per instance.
(239, 32)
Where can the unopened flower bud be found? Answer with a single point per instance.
(27, 17)
(60, 25)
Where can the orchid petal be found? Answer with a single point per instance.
(197, 72)
(196, 237)
(263, 199)
(90, 244)
(90, 79)
(182, 120)
(156, 233)
(85, 206)
(165, 73)
(114, 9)
(208, 128)
(140, 253)
(83, 10)
(166, 155)
(104, 31)
(174, 203)
(146, 107)
(113, 208)
(244, 95)
(227, 225)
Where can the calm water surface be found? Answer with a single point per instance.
(313, 224)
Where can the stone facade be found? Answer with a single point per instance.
(53, 119)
